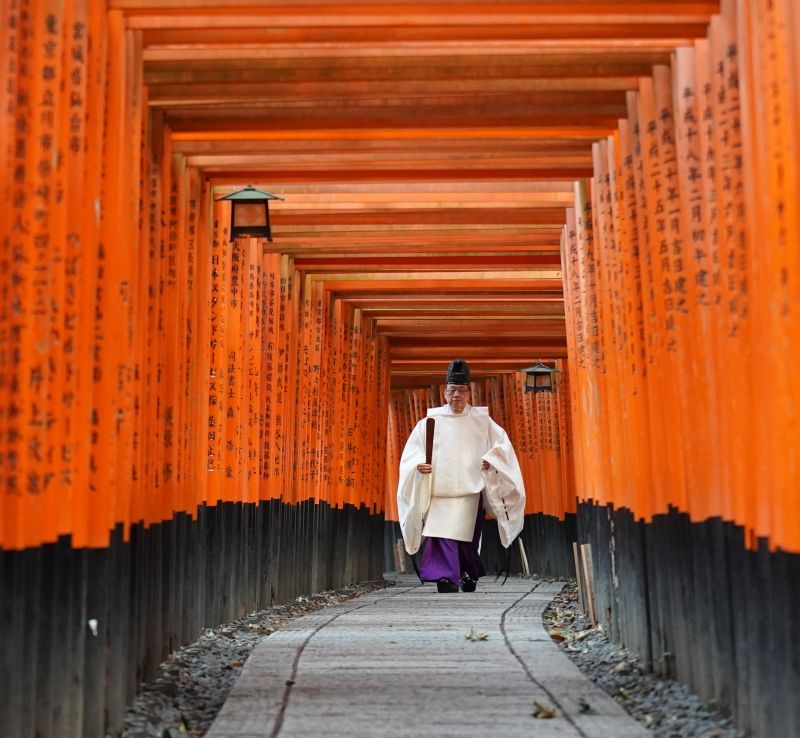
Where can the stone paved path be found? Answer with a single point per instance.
(397, 663)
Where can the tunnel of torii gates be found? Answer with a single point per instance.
(192, 428)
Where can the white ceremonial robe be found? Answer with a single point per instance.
(444, 504)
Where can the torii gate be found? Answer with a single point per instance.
(610, 187)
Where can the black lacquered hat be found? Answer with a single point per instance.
(457, 372)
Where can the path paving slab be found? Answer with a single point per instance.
(397, 662)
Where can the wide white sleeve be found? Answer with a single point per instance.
(413, 490)
(505, 490)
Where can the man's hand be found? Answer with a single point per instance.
(484, 465)
(424, 468)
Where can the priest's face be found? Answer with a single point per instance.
(457, 396)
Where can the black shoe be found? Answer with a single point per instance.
(468, 583)
(445, 585)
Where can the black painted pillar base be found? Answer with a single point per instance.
(81, 629)
(696, 605)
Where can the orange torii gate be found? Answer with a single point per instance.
(193, 427)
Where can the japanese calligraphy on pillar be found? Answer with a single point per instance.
(634, 342)
(253, 349)
(232, 374)
(705, 239)
(614, 262)
(642, 131)
(170, 321)
(191, 326)
(607, 267)
(727, 142)
(16, 253)
(570, 261)
(284, 397)
(351, 380)
(689, 153)
(270, 302)
(217, 345)
(588, 277)
(669, 220)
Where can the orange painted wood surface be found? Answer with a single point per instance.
(707, 243)
(149, 365)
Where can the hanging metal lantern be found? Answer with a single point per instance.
(250, 213)
(539, 378)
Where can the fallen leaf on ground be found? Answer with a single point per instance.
(543, 712)
(473, 635)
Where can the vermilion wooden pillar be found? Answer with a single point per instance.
(706, 242)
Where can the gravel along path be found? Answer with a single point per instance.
(195, 680)
(665, 706)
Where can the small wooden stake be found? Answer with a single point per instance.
(399, 556)
(586, 554)
(579, 577)
(525, 568)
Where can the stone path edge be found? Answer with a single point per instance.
(252, 712)
(569, 689)
(237, 721)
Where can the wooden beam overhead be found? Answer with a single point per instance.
(426, 151)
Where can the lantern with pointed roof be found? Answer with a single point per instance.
(250, 212)
(539, 378)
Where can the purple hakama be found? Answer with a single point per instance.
(445, 557)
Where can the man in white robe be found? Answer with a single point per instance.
(473, 464)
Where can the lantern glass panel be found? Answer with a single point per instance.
(249, 215)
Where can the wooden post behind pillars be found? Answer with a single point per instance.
(576, 553)
(588, 578)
